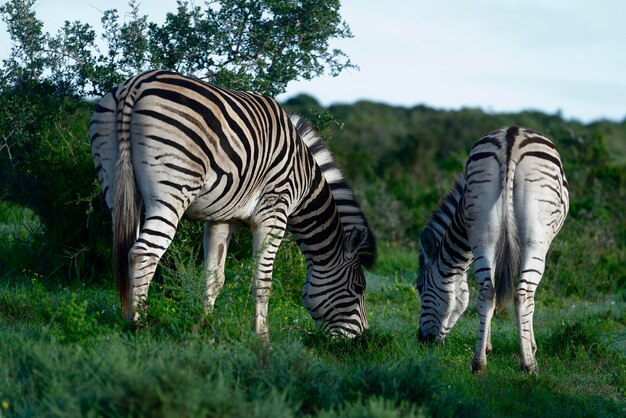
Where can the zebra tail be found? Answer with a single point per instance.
(507, 247)
(125, 213)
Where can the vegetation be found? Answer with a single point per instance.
(235, 43)
(66, 351)
(46, 164)
(409, 157)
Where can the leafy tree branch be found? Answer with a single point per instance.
(246, 44)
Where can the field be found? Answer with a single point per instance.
(66, 352)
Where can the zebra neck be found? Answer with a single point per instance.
(453, 259)
(317, 228)
(455, 254)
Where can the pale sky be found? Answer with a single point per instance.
(499, 55)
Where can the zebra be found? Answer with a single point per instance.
(167, 146)
(501, 216)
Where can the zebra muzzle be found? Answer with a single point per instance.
(425, 338)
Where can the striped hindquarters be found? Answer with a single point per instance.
(525, 157)
(530, 178)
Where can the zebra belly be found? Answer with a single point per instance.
(217, 204)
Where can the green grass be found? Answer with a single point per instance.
(65, 352)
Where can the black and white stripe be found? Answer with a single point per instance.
(170, 145)
(501, 216)
(347, 205)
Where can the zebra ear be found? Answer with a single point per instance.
(428, 243)
(353, 240)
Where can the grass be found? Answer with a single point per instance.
(65, 352)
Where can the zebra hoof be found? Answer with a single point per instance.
(479, 365)
(531, 368)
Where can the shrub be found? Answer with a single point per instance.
(75, 324)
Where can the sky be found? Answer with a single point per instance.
(566, 56)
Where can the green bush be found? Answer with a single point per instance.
(47, 168)
(75, 324)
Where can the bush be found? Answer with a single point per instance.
(75, 324)
(47, 167)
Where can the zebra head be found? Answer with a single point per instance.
(334, 296)
(335, 285)
(443, 293)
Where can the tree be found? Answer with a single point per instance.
(245, 44)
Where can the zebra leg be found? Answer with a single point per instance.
(488, 347)
(154, 238)
(531, 271)
(462, 300)
(265, 239)
(216, 239)
(486, 305)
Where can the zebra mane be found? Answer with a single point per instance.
(442, 217)
(349, 209)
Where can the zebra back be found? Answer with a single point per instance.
(513, 147)
(348, 207)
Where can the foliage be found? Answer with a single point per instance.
(45, 162)
(220, 369)
(76, 325)
(20, 230)
(45, 165)
(259, 45)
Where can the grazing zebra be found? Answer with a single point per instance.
(167, 145)
(501, 215)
